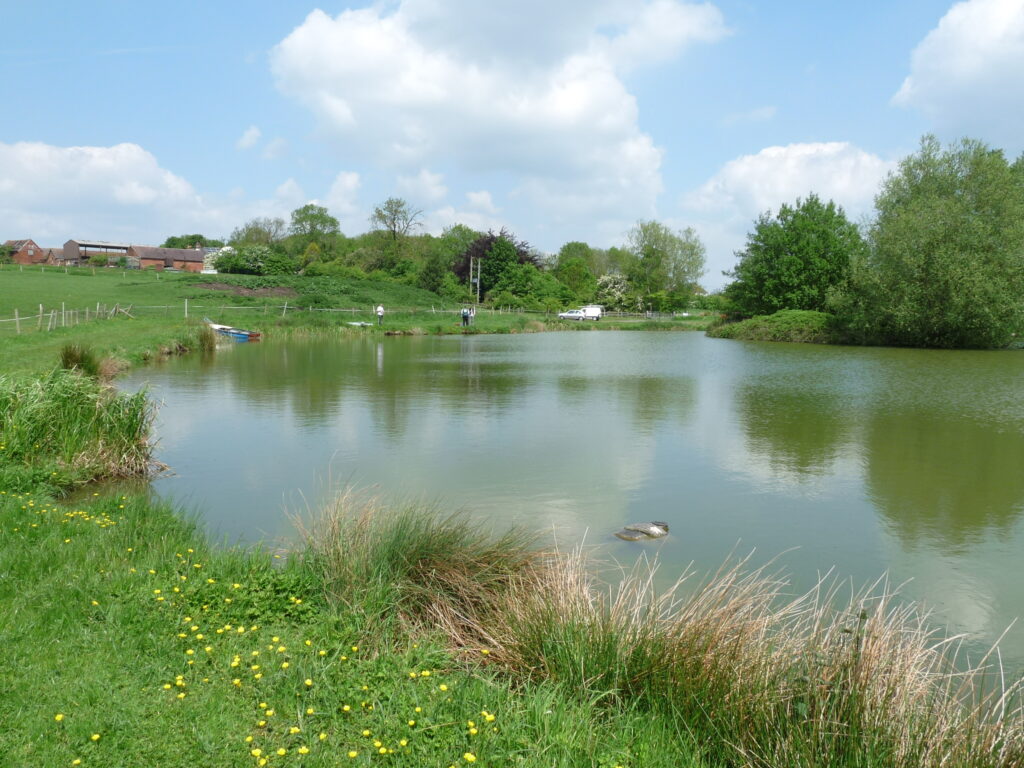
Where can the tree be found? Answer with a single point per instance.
(794, 259)
(496, 253)
(945, 266)
(575, 274)
(396, 217)
(314, 223)
(190, 241)
(259, 231)
(663, 260)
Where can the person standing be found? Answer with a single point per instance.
(472, 315)
(465, 316)
(380, 314)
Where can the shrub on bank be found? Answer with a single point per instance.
(785, 325)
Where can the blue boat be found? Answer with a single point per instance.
(235, 334)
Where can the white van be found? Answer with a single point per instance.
(590, 312)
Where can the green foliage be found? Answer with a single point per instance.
(613, 292)
(256, 260)
(663, 260)
(98, 260)
(793, 260)
(574, 272)
(259, 231)
(313, 222)
(797, 325)
(190, 241)
(946, 262)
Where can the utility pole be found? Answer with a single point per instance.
(478, 266)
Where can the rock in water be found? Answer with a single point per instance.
(637, 531)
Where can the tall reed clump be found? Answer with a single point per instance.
(411, 565)
(756, 676)
(207, 339)
(74, 426)
(78, 357)
(767, 679)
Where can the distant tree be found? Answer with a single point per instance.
(259, 231)
(577, 250)
(313, 222)
(496, 253)
(99, 260)
(663, 260)
(190, 241)
(793, 260)
(575, 274)
(396, 217)
(6, 254)
(613, 292)
(945, 267)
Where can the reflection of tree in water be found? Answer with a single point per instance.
(795, 430)
(651, 399)
(944, 480)
(315, 378)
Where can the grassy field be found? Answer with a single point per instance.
(167, 309)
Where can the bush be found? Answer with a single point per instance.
(795, 325)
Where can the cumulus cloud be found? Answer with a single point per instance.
(249, 137)
(423, 188)
(118, 193)
(725, 207)
(343, 202)
(966, 73)
(409, 85)
(479, 212)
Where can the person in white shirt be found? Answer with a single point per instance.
(380, 314)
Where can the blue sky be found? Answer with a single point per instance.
(565, 120)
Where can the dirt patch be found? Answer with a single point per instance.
(241, 290)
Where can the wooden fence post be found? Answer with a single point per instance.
(17, 322)
(186, 309)
(285, 310)
(39, 325)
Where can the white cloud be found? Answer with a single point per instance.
(479, 213)
(117, 193)
(725, 207)
(275, 148)
(343, 202)
(546, 110)
(249, 137)
(966, 75)
(423, 188)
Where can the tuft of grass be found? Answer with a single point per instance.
(411, 563)
(73, 428)
(74, 356)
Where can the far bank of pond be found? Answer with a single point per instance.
(870, 461)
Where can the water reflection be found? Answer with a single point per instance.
(865, 460)
(944, 481)
(795, 431)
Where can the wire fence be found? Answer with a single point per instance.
(44, 319)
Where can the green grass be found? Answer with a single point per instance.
(159, 327)
(117, 616)
(67, 429)
(793, 325)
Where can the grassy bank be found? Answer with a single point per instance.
(158, 325)
(793, 325)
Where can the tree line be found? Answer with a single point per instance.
(657, 268)
(939, 264)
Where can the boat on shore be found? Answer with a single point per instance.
(235, 334)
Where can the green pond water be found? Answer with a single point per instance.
(908, 463)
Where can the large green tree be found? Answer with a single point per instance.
(946, 261)
(663, 260)
(313, 222)
(262, 230)
(793, 259)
